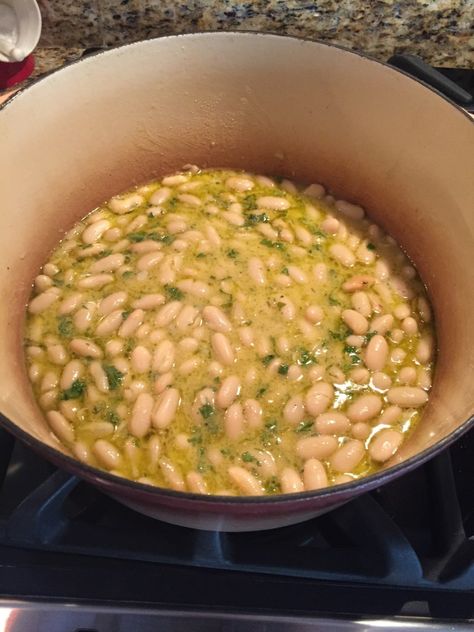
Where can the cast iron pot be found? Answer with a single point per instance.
(269, 104)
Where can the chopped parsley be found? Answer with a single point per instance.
(333, 301)
(353, 353)
(207, 410)
(272, 244)
(249, 203)
(249, 458)
(339, 335)
(305, 358)
(268, 436)
(371, 246)
(142, 236)
(267, 359)
(283, 369)
(174, 293)
(285, 271)
(200, 255)
(368, 336)
(76, 390)
(253, 219)
(126, 313)
(128, 274)
(65, 326)
(305, 426)
(114, 376)
(112, 417)
(261, 391)
(232, 253)
(272, 485)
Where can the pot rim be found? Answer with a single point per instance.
(106, 479)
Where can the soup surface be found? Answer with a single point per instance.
(220, 333)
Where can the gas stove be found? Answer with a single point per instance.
(399, 558)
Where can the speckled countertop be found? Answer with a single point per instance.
(440, 31)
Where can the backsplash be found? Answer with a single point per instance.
(440, 31)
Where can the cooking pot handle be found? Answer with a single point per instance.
(416, 67)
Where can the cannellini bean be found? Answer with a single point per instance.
(410, 326)
(234, 421)
(315, 190)
(171, 474)
(318, 398)
(424, 378)
(402, 311)
(99, 376)
(43, 282)
(256, 270)
(172, 181)
(108, 264)
(291, 482)
(110, 323)
(364, 407)
(69, 408)
(342, 255)
(72, 371)
(149, 260)
(382, 324)
(330, 225)
(189, 344)
(195, 288)
(60, 426)
(165, 408)
(216, 319)
(350, 210)
(424, 350)
(320, 272)
(365, 255)
(140, 420)
(407, 396)
(164, 356)
(360, 302)
(303, 235)
(295, 373)
(131, 323)
(112, 302)
(283, 280)
(294, 410)
(186, 317)
(397, 356)
(233, 218)
(94, 231)
(163, 382)
(112, 234)
(113, 347)
(35, 352)
(90, 251)
(359, 375)
(70, 303)
(336, 375)
(253, 413)
(361, 430)
(381, 380)
(283, 345)
(43, 301)
(95, 281)
(376, 353)
(297, 274)
(273, 203)
(57, 354)
(314, 475)
(122, 205)
(390, 415)
(82, 319)
(239, 183)
(287, 308)
(314, 314)
(145, 247)
(159, 196)
(149, 301)
(141, 359)
(355, 321)
(316, 373)
(98, 429)
(189, 199)
(50, 380)
(85, 348)
(228, 391)
(358, 282)
(382, 270)
(264, 463)
(332, 423)
(397, 335)
(384, 444)
(49, 399)
(154, 451)
(287, 235)
(188, 366)
(196, 483)
(245, 481)
(222, 349)
(407, 375)
(316, 447)
(348, 456)
(424, 309)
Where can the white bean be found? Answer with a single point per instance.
(424, 350)
(159, 196)
(216, 319)
(376, 353)
(360, 302)
(85, 348)
(245, 481)
(318, 398)
(294, 410)
(342, 255)
(141, 359)
(140, 420)
(171, 474)
(348, 456)
(256, 270)
(424, 309)
(315, 190)
(70, 303)
(110, 323)
(239, 183)
(361, 430)
(407, 396)
(320, 272)
(234, 421)
(57, 354)
(316, 447)
(291, 482)
(350, 210)
(131, 323)
(314, 475)
(297, 274)
(364, 407)
(99, 376)
(108, 264)
(164, 356)
(72, 371)
(332, 423)
(330, 225)
(410, 326)
(95, 281)
(355, 321)
(407, 375)
(253, 413)
(94, 231)
(358, 282)
(273, 203)
(287, 307)
(359, 375)
(382, 381)
(112, 302)
(60, 426)
(382, 324)
(149, 260)
(384, 444)
(196, 483)
(43, 282)
(228, 391)
(122, 205)
(222, 349)
(41, 302)
(165, 408)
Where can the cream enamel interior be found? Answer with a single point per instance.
(257, 102)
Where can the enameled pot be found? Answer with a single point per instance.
(269, 104)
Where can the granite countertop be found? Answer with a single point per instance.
(440, 31)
